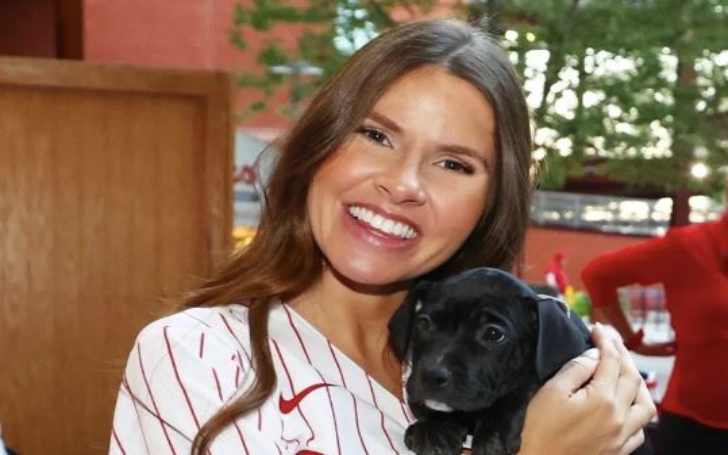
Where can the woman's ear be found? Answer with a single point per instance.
(400, 326)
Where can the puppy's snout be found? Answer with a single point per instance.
(437, 377)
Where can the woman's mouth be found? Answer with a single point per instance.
(382, 224)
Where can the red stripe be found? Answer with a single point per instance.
(219, 394)
(404, 412)
(138, 402)
(242, 440)
(290, 382)
(224, 320)
(242, 346)
(381, 414)
(328, 392)
(245, 351)
(235, 315)
(202, 344)
(260, 420)
(118, 443)
(338, 367)
(151, 397)
(298, 335)
(356, 410)
(240, 360)
(257, 410)
(217, 384)
(179, 380)
(358, 429)
(247, 356)
(333, 414)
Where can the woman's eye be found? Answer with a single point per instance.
(456, 166)
(375, 135)
(493, 334)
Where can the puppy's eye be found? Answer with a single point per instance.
(424, 323)
(493, 334)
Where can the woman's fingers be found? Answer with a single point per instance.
(629, 383)
(633, 443)
(610, 362)
(641, 412)
(635, 400)
(576, 372)
(603, 404)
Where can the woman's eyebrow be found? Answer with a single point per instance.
(467, 151)
(386, 121)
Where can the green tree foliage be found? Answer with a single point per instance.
(641, 82)
(333, 30)
(632, 89)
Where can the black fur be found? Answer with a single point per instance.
(480, 343)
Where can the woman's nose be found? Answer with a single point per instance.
(402, 183)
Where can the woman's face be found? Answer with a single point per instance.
(400, 196)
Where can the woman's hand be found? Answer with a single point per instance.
(596, 404)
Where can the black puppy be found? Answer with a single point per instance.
(480, 344)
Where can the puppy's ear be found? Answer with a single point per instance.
(561, 336)
(400, 326)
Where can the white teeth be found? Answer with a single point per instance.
(380, 223)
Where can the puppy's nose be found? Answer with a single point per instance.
(437, 376)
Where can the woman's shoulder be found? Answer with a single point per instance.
(199, 329)
(181, 370)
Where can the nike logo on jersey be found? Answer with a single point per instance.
(287, 406)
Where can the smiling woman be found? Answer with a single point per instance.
(402, 194)
(411, 163)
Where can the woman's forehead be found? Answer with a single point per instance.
(437, 105)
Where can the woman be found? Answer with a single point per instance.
(691, 262)
(413, 161)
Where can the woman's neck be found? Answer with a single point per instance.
(355, 321)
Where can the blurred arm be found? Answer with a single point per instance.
(645, 263)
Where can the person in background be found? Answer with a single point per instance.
(556, 275)
(691, 263)
(412, 162)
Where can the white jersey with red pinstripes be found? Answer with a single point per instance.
(184, 367)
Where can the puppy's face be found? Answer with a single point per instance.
(472, 341)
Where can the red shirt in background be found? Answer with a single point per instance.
(692, 264)
(555, 273)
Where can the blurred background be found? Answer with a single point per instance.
(132, 135)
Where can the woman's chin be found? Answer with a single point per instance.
(370, 280)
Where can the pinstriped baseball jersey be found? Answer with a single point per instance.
(184, 367)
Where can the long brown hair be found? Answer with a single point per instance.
(283, 259)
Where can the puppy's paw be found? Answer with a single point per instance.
(434, 437)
